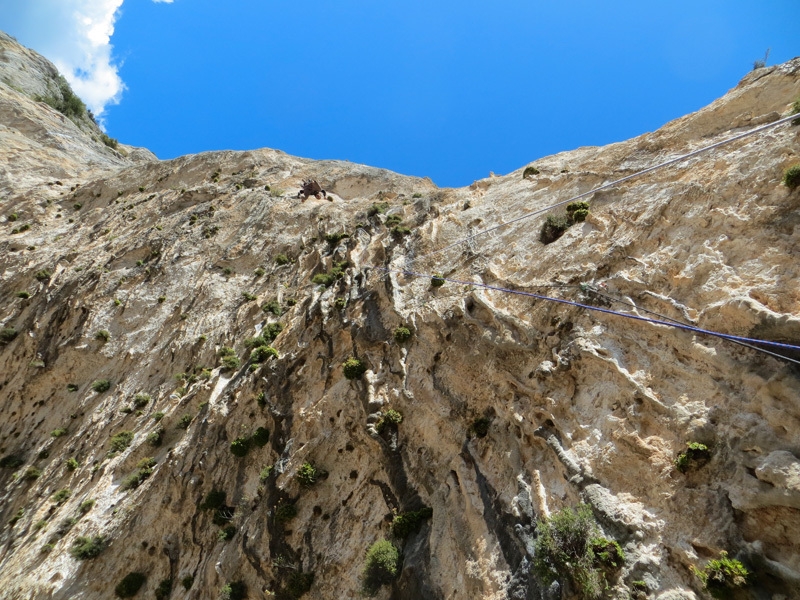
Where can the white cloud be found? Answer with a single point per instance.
(76, 36)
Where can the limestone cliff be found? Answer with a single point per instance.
(130, 288)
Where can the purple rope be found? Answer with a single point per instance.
(725, 336)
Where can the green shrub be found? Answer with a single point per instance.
(13, 217)
(158, 416)
(565, 550)
(71, 387)
(72, 464)
(402, 334)
(577, 212)
(353, 368)
(130, 585)
(393, 220)
(61, 496)
(85, 548)
(11, 461)
(437, 281)
(235, 590)
(164, 589)
(31, 473)
(162, 299)
(255, 342)
(323, 279)
(262, 353)
(378, 208)
(382, 566)
(340, 303)
(265, 473)
(723, 575)
(248, 296)
(24, 295)
(299, 583)
(791, 177)
(43, 275)
(607, 553)
(86, 506)
(101, 385)
(307, 474)
(259, 272)
(226, 533)
(77, 206)
(389, 418)
(66, 102)
(7, 334)
(144, 469)
(271, 331)
(553, 228)
(141, 400)
(529, 171)
(57, 433)
(214, 500)
(260, 437)
(240, 446)
(47, 548)
(335, 238)
(282, 259)
(694, 457)
(109, 141)
(187, 581)
(121, 440)
(285, 512)
(231, 361)
(155, 437)
(184, 422)
(407, 523)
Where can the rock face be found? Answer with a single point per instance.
(153, 275)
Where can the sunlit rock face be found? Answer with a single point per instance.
(155, 276)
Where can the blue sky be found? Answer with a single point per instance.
(450, 90)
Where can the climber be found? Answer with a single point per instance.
(312, 188)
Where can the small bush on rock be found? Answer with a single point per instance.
(791, 177)
(723, 575)
(102, 335)
(214, 500)
(235, 590)
(164, 589)
(130, 585)
(402, 334)
(529, 171)
(353, 368)
(101, 385)
(565, 549)
(85, 548)
(285, 512)
(407, 523)
(694, 457)
(307, 474)
(143, 470)
(7, 334)
(382, 566)
(437, 281)
(121, 440)
(262, 353)
(260, 437)
(240, 446)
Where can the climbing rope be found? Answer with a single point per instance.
(605, 186)
(667, 323)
